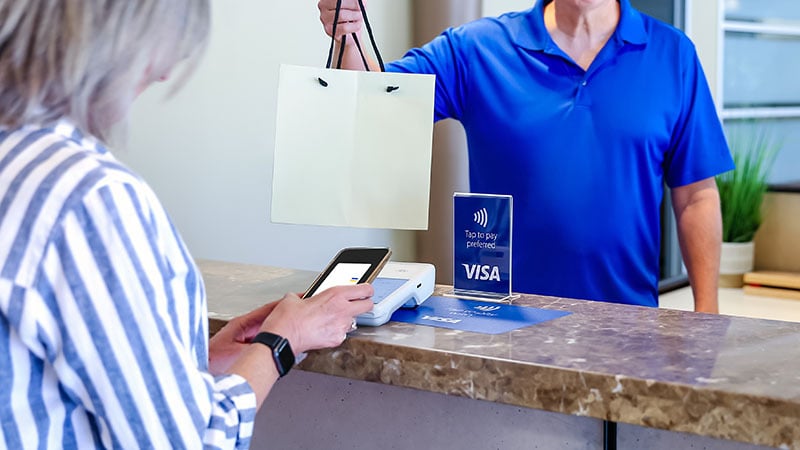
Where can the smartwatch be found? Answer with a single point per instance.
(282, 352)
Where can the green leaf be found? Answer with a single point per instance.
(741, 191)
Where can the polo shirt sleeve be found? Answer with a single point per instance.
(120, 350)
(698, 149)
(443, 57)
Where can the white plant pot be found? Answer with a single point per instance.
(736, 258)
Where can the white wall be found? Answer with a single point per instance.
(703, 21)
(496, 7)
(207, 152)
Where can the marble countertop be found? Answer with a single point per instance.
(715, 375)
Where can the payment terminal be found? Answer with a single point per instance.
(399, 285)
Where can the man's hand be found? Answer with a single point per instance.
(350, 18)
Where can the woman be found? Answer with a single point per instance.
(103, 321)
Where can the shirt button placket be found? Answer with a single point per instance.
(580, 93)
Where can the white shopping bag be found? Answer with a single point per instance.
(352, 148)
(352, 154)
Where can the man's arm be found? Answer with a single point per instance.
(697, 212)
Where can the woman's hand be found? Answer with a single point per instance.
(320, 321)
(229, 342)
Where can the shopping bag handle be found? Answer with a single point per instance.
(355, 39)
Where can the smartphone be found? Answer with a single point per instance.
(351, 266)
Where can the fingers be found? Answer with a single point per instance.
(361, 306)
(346, 293)
(347, 5)
(349, 18)
(355, 292)
(244, 327)
(353, 300)
(344, 29)
(359, 301)
(345, 16)
(341, 305)
(257, 315)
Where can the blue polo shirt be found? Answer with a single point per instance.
(584, 153)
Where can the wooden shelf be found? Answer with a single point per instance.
(773, 284)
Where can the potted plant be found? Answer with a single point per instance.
(741, 193)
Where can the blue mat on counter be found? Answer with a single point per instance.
(479, 317)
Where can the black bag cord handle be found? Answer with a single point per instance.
(333, 34)
(341, 53)
(371, 36)
(355, 39)
(360, 52)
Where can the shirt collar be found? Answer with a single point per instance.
(65, 127)
(533, 35)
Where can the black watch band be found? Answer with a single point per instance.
(281, 350)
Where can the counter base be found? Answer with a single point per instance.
(313, 411)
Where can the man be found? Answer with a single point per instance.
(581, 109)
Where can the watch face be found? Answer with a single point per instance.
(282, 352)
(284, 357)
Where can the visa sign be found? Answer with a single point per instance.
(482, 272)
(482, 244)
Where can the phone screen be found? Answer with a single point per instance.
(350, 266)
(344, 274)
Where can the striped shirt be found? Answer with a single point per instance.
(103, 320)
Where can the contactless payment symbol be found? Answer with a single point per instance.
(481, 217)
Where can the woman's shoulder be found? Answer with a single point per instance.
(56, 160)
(47, 171)
(50, 178)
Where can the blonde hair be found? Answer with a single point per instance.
(86, 60)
